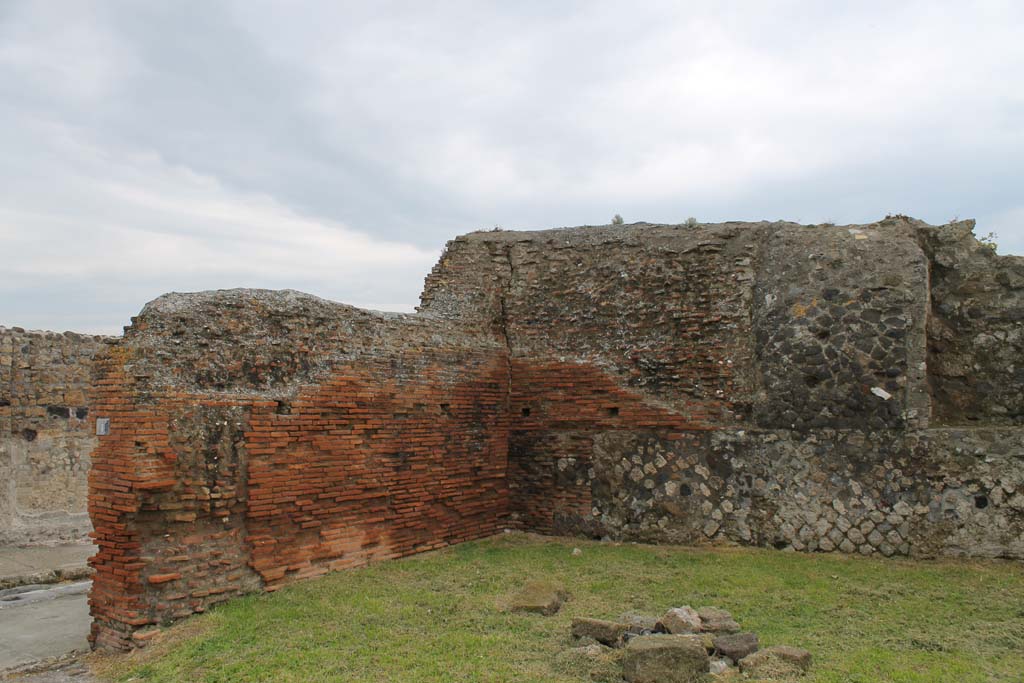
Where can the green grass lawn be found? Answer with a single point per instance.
(436, 617)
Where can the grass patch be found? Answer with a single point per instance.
(437, 617)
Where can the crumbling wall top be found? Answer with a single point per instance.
(257, 341)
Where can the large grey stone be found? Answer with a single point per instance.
(539, 597)
(736, 646)
(639, 624)
(715, 620)
(680, 620)
(606, 632)
(664, 658)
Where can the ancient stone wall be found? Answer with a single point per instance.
(825, 388)
(766, 383)
(45, 439)
(260, 437)
(975, 330)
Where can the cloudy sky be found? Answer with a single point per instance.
(333, 147)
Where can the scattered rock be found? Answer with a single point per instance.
(680, 620)
(715, 620)
(609, 633)
(639, 624)
(683, 654)
(539, 597)
(736, 646)
(776, 662)
(705, 640)
(718, 666)
(664, 658)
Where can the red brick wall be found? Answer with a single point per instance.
(200, 495)
(368, 467)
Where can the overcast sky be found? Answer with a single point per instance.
(334, 147)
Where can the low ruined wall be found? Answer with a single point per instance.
(45, 438)
(261, 437)
(819, 388)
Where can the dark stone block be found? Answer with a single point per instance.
(58, 411)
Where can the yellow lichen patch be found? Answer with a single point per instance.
(799, 310)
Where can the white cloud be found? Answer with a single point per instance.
(133, 218)
(335, 147)
(63, 51)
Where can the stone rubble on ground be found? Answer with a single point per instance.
(680, 620)
(664, 658)
(639, 624)
(684, 646)
(736, 646)
(539, 597)
(717, 620)
(608, 633)
(718, 667)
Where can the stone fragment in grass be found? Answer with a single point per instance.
(539, 597)
(639, 624)
(718, 667)
(680, 620)
(777, 661)
(715, 620)
(589, 651)
(664, 658)
(605, 632)
(736, 646)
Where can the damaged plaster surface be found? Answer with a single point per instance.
(45, 436)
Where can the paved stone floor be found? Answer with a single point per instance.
(42, 622)
(39, 618)
(43, 564)
(70, 672)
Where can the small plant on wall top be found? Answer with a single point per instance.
(989, 240)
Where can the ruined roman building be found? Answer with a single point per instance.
(45, 435)
(857, 389)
